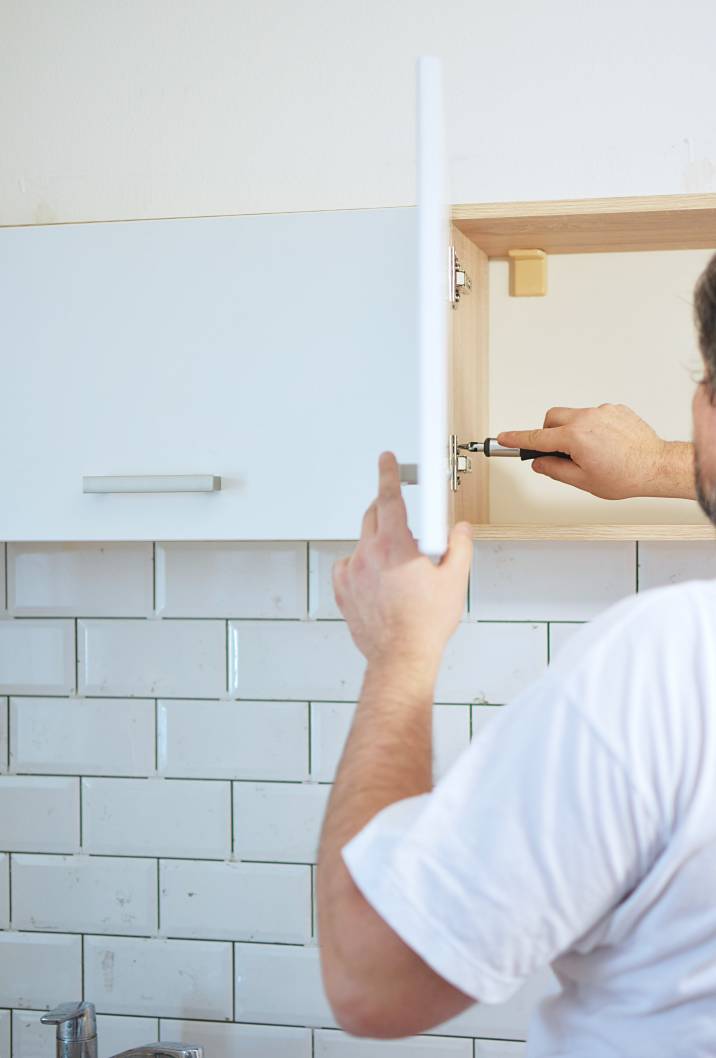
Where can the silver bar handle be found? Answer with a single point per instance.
(152, 483)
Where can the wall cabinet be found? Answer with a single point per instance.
(275, 352)
(279, 353)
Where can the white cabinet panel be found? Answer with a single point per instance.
(276, 351)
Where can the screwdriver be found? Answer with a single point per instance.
(490, 447)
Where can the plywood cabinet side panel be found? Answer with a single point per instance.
(469, 395)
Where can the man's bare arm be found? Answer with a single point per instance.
(614, 454)
(401, 609)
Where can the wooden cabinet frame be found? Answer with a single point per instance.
(486, 231)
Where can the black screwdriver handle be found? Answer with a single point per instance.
(529, 453)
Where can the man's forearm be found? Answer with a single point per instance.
(388, 756)
(677, 479)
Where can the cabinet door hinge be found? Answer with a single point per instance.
(459, 282)
(458, 464)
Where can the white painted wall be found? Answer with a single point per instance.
(153, 108)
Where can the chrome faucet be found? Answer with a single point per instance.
(77, 1036)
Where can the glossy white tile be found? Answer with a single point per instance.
(294, 660)
(491, 662)
(30, 1038)
(159, 978)
(4, 734)
(278, 821)
(4, 891)
(451, 735)
(156, 817)
(233, 739)
(543, 580)
(37, 656)
(80, 579)
(257, 579)
(236, 901)
(96, 736)
(331, 1043)
(39, 814)
(663, 562)
(330, 725)
(34, 966)
(247, 1041)
(482, 715)
(5, 1030)
(185, 659)
(559, 634)
(321, 557)
(84, 894)
(280, 985)
(499, 1049)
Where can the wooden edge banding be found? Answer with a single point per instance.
(593, 532)
(600, 225)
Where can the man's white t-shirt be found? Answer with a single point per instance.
(579, 830)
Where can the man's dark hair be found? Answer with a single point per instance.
(705, 315)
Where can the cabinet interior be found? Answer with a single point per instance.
(616, 326)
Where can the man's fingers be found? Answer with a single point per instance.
(392, 515)
(458, 556)
(560, 470)
(388, 478)
(550, 440)
(561, 416)
(370, 521)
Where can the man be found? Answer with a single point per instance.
(580, 829)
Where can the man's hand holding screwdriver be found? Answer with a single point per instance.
(613, 453)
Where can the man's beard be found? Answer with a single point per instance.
(706, 497)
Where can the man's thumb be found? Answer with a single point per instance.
(459, 552)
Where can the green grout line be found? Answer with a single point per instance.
(310, 758)
(636, 581)
(159, 897)
(232, 840)
(308, 580)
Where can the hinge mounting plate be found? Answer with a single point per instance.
(459, 281)
(459, 464)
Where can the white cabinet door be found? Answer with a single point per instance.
(432, 308)
(277, 352)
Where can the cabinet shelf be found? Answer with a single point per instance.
(525, 348)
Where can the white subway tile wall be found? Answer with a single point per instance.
(171, 719)
(101, 736)
(231, 580)
(153, 976)
(79, 580)
(165, 817)
(535, 581)
(233, 740)
(37, 656)
(84, 894)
